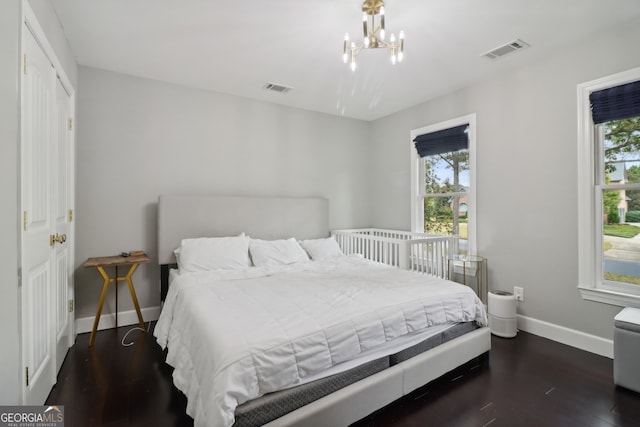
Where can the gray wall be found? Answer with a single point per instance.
(139, 138)
(9, 222)
(526, 176)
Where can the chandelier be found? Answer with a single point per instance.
(374, 35)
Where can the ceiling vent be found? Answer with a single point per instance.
(276, 87)
(506, 49)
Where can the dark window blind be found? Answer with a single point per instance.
(615, 103)
(442, 141)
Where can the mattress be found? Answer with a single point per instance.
(234, 336)
(271, 406)
(267, 408)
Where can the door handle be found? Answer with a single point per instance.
(57, 238)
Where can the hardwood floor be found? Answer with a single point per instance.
(531, 382)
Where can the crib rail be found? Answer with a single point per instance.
(420, 252)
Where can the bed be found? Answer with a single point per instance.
(300, 343)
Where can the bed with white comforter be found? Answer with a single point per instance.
(234, 335)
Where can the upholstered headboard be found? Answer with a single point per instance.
(185, 216)
(188, 216)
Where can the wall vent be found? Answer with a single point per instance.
(276, 87)
(506, 49)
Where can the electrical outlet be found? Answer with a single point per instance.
(519, 293)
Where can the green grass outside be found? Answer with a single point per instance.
(626, 231)
(618, 230)
(463, 229)
(621, 230)
(622, 278)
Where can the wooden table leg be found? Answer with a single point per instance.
(133, 294)
(105, 287)
(116, 283)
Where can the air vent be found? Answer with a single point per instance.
(276, 87)
(506, 49)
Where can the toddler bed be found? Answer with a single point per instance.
(281, 339)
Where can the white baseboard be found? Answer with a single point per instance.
(125, 318)
(581, 340)
(561, 334)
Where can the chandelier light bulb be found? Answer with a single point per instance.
(365, 25)
(393, 38)
(345, 48)
(393, 59)
(382, 34)
(353, 65)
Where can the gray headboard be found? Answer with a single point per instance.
(188, 216)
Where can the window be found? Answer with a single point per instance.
(443, 175)
(609, 189)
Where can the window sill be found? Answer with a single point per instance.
(610, 297)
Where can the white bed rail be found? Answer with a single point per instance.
(420, 252)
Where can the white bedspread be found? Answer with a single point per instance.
(233, 336)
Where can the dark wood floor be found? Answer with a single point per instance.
(531, 382)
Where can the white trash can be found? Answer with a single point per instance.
(502, 314)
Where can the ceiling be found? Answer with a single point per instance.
(235, 47)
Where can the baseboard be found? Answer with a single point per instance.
(125, 318)
(581, 340)
(561, 334)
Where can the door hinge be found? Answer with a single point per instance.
(70, 215)
(24, 63)
(70, 306)
(27, 376)
(70, 123)
(24, 220)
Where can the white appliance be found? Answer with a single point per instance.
(502, 314)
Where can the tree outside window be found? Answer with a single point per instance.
(621, 200)
(446, 194)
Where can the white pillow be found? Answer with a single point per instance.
(276, 252)
(213, 253)
(322, 248)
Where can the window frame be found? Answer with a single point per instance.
(590, 191)
(417, 171)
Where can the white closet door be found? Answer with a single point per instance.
(63, 208)
(38, 267)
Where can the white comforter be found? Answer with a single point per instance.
(236, 335)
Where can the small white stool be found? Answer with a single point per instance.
(626, 347)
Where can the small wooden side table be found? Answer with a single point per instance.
(115, 261)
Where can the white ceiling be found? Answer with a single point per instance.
(236, 46)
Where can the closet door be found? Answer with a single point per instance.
(63, 216)
(38, 267)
